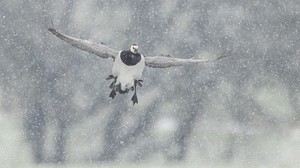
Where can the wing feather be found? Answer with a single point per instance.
(100, 50)
(166, 61)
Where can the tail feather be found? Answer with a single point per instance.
(118, 89)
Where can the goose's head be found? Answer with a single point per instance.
(134, 48)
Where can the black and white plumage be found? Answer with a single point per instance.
(128, 64)
(127, 71)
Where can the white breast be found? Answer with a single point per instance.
(127, 74)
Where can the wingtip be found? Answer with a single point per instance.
(225, 54)
(51, 28)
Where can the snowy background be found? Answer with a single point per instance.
(243, 111)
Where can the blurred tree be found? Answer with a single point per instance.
(56, 85)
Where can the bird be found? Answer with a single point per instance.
(129, 64)
(127, 72)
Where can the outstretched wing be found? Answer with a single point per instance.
(166, 61)
(100, 50)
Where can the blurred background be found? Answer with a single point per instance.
(242, 111)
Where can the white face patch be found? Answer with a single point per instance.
(134, 48)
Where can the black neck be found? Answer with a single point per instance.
(129, 58)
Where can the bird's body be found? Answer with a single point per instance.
(127, 72)
(128, 67)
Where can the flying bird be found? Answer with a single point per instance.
(128, 64)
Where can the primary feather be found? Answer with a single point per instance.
(100, 50)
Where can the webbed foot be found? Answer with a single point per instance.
(134, 99)
(112, 94)
(112, 85)
(139, 82)
(110, 77)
